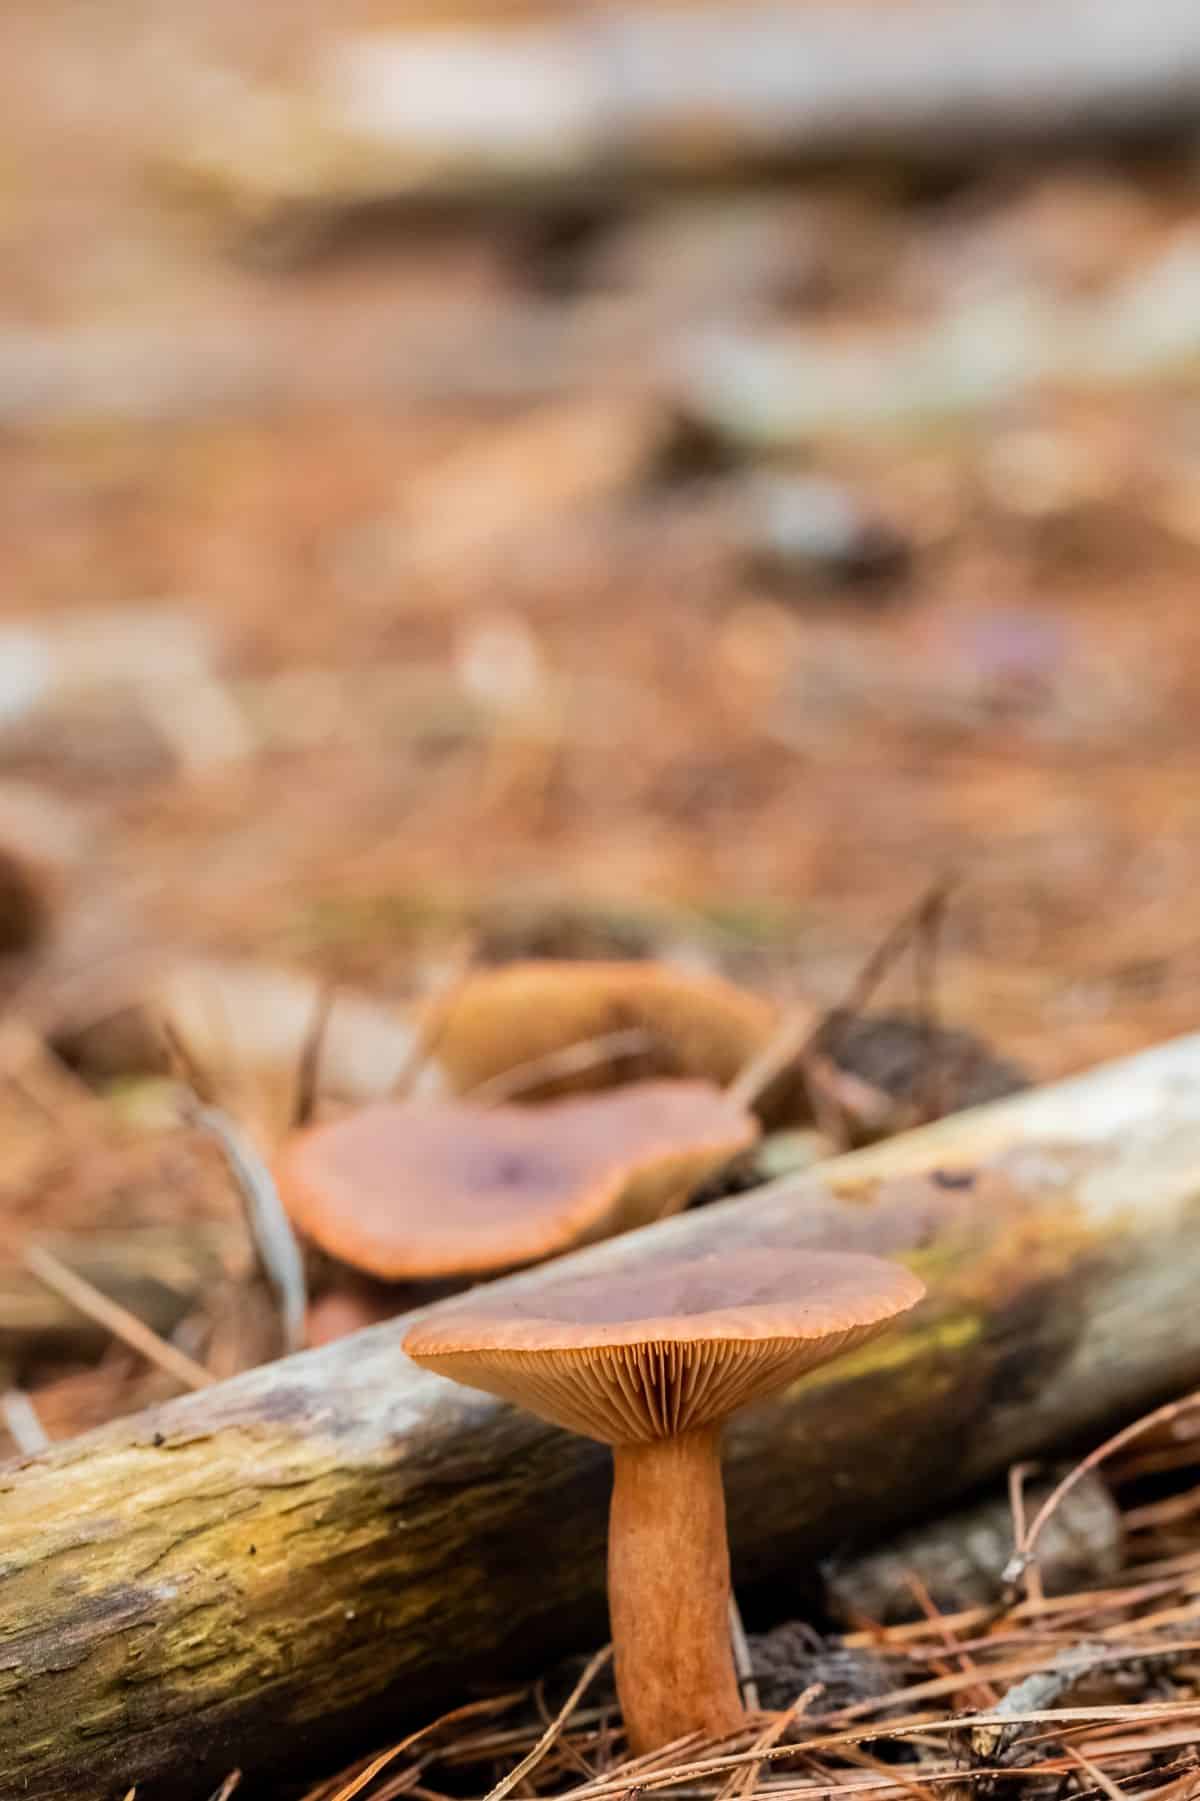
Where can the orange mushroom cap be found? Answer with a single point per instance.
(441, 1189)
(630, 1357)
(699, 1026)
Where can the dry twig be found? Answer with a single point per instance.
(534, 1757)
(270, 1228)
(1161, 1416)
(22, 1423)
(308, 1070)
(117, 1319)
(569, 1060)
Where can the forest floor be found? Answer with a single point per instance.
(376, 596)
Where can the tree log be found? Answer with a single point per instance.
(565, 106)
(340, 1540)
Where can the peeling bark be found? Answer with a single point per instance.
(338, 1539)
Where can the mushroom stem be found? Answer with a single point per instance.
(668, 1591)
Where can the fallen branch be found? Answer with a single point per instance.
(636, 92)
(339, 1539)
(1024, 1552)
(958, 1560)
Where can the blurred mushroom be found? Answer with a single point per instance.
(429, 1191)
(698, 1025)
(652, 1362)
(345, 1310)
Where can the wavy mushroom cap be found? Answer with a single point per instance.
(440, 1189)
(630, 1357)
(698, 1026)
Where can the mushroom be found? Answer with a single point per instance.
(698, 1026)
(427, 1191)
(343, 1310)
(652, 1361)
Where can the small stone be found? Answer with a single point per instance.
(807, 529)
(792, 1657)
